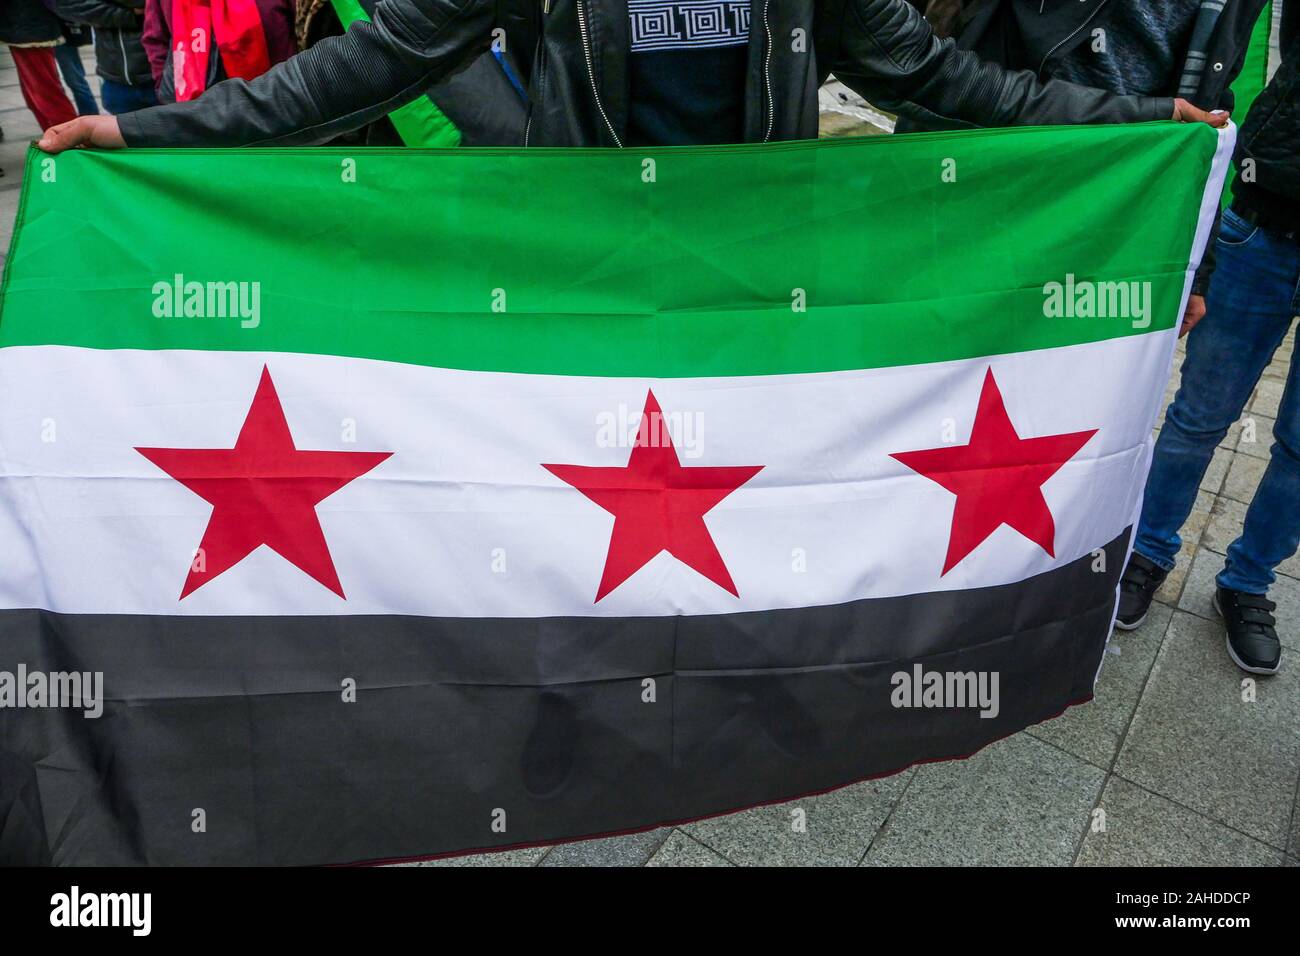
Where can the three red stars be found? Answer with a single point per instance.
(657, 505)
(997, 477)
(263, 491)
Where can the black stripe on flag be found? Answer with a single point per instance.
(461, 722)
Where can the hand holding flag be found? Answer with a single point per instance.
(99, 131)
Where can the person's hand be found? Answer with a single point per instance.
(1194, 312)
(1185, 112)
(98, 131)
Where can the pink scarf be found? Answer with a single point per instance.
(235, 25)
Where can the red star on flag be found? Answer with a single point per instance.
(657, 505)
(997, 477)
(263, 491)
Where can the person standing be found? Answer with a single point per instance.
(1252, 304)
(602, 76)
(248, 39)
(31, 33)
(68, 55)
(126, 83)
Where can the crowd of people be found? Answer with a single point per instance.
(671, 72)
(146, 51)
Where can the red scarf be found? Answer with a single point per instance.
(236, 26)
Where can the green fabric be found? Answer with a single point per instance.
(420, 123)
(1254, 72)
(604, 273)
(1253, 76)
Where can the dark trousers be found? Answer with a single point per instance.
(74, 77)
(1252, 304)
(121, 98)
(38, 78)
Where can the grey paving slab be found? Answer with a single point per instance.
(1172, 588)
(1284, 350)
(1093, 731)
(8, 210)
(681, 850)
(1217, 471)
(1233, 437)
(529, 857)
(1196, 741)
(1244, 474)
(833, 829)
(1199, 592)
(1254, 435)
(635, 849)
(1019, 802)
(1143, 829)
(1224, 527)
(1268, 396)
(12, 152)
(20, 127)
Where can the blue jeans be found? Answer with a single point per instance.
(74, 75)
(1252, 301)
(121, 98)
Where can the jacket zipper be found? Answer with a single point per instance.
(121, 45)
(767, 74)
(591, 72)
(533, 101)
(539, 57)
(1070, 37)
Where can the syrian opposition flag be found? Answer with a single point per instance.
(410, 503)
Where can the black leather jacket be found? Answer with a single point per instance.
(28, 23)
(1034, 35)
(575, 55)
(119, 53)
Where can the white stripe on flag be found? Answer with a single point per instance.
(463, 520)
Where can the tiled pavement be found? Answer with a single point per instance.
(19, 129)
(1181, 768)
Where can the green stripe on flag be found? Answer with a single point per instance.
(746, 260)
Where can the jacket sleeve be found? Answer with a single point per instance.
(156, 38)
(340, 84)
(98, 13)
(886, 52)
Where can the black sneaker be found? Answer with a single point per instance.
(1137, 589)
(1252, 630)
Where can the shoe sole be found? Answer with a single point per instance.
(1227, 642)
(1130, 627)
